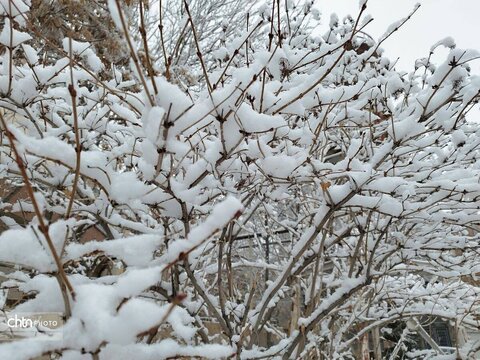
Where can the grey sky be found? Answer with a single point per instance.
(435, 20)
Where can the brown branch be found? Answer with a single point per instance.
(78, 149)
(199, 52)
(148, 61)
(63, 279)
(133, 53)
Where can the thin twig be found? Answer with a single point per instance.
(78, 149)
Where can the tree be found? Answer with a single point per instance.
(85, 21)
(218, 205)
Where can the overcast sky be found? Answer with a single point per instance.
(435, 20)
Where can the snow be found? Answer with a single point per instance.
(279, 166)
(348, 286)
(83, 49)
(344, 166)
(134, 250)
(3, 298)
(125, 187)
(221, 215)
(252, 121)
(12, 249)
(10, 37)
(114, 10)
(166, 349)
(30, 53)
(48, 297)
(405, 128)
(458, 137)
(447, 42)
(152, 123)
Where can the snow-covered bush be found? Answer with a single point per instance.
(296, 174)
